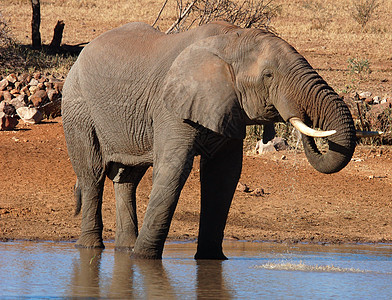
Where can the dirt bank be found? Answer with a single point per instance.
(299, 204)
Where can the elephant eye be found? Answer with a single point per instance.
(268, 74)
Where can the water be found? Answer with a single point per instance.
(254, 270)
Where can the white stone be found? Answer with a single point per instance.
(264, 148)
(29, 115)
(365, 95)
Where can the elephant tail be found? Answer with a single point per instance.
(78, 198)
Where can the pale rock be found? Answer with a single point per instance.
(29, 115)
(12, 78)
(33, 89)
(7, 96)
(3, 84)
(19, 101)
(33, 82)
(365, 95)
(258, 192)
(242, 187)
(376, 99)
(264, 148)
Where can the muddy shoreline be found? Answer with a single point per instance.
(300, 205)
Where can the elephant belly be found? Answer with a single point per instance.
(128, 145)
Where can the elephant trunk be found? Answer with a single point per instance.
(320, 107)
(341, 145)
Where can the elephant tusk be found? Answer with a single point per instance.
(303, 128)
(363, 134)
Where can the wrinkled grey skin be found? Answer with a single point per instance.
(137, 98)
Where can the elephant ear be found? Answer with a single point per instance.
(200, 87)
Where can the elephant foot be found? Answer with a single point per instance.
(89, 241)
(124, 241)
(210, 255)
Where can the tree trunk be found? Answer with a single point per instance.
(35, 24)
(57, 35)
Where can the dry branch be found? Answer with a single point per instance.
(181, 17)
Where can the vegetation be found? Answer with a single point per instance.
(364, 10)
(359, 66)
(245, 13)
(349, 57)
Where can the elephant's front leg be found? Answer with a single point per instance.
(172, 164)
(219, 177)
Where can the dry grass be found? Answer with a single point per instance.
(323, 31)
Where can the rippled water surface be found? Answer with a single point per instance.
(253, 271)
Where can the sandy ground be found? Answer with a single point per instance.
(299, 204)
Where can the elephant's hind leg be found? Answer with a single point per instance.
(86, 158)
(125, 183)
(92, 226)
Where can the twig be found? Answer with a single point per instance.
(159, 14)
(181, 17)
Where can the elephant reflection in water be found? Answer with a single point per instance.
(142, 278)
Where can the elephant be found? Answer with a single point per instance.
(137, 98)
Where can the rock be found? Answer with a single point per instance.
(376, 100)
(7, 96)
(365, 95)
(25, 90)
(52, 94)
(33, 82)
(7, 108)
(276, 144)
(15, 92)
(242, 187)
(29, 115)
(39, 98)
(24, 79)
(33, 89)
(258, 192)
(7, 122)
(48, 85)
(40, 86)
(58, 86)
(52, 109)
(264, 148)
(37, 75)
(19, 101)
(12, 78)
(368, 101)
(280, 144)
(3, 84)
(18, 85)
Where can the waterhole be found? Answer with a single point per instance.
(253, 271)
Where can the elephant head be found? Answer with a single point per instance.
(250, 76)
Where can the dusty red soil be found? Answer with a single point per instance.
(299, 204)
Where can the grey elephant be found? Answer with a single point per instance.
(137, 97)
